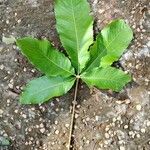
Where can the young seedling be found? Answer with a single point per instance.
(89, 60)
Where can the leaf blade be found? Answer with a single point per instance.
(97, 51)
(42, 89)
(75, 29)
(45, 57)
(106, 78)
(116, 37)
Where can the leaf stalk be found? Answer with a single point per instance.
(73, 114)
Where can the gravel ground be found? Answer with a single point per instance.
(104, 120)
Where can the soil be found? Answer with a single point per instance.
(104, 120)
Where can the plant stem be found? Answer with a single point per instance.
(73, 115)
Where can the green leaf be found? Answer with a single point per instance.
(75, 28)
(97, 51)
(116, 38)
(4, 141)
(45, 57)
(42, 89)
(106, 78)
(8, 40)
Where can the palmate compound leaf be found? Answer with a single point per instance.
(42, 89)
(106, 78)
(75, 28)
(45, 57)
(110, 44)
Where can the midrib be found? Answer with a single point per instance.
(106, 79)
(98, 57)
(109, 44)
(55, 63)
(76, 33)
(48, 88)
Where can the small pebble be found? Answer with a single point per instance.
(16, 111)
(122, 148)
(107, 129)
(19, 21)
(2, 67)
(87, 119)
(119, 102)
(8, 100)
(126, 127)
(76, 116)
(78, 106)
(148, 124)
(7, 21)
(41, 125)
(138, 30)
(29, 129)
(96, 118)
(57, 109)
(131, 132)
(30, 142)
(10, 85)
(32, 70)
(24, 116)
(75, 127)
(138, 107)
(24, 69)
(66, 125)
(17, 87)
(56, 122)
(138, 136)
(127, 101)
(107, 136)
(119, 118)
(42, 130)
(57, 99)
(120, 142)
(106, 142)
(1, 111)
(56, 132)
(143, 130)
(148, 44)
(114, 119)
(87, 142)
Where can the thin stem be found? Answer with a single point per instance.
(73, 114)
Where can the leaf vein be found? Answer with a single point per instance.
(47, 88)
(76, 33)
